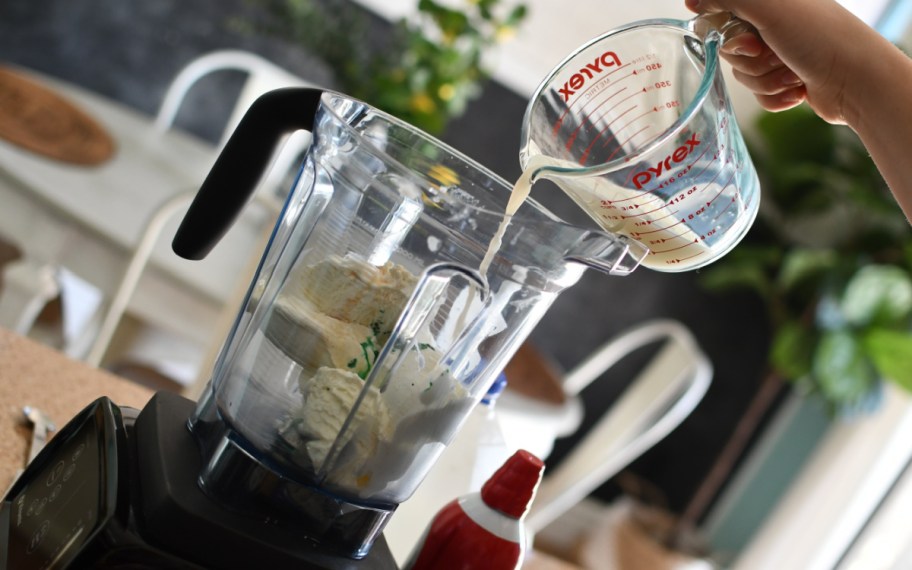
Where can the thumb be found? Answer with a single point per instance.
(710, 6)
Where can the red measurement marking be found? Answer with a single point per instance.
(637, 197)
(708, 142)
(646, 128)
(722, 189)
(686, 245)
(560, 120)
(634, 120)
(682, 234)
(733, 200)
(572, 138)
(714, 177)
(662, 207)
(585, 155)
(698, 254)
(606, 99)
(588, 117)
(678, 223)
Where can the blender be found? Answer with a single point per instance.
(378, 317)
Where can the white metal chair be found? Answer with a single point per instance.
(261, 76)
(27, 287)
(658, 399)
(663, 394)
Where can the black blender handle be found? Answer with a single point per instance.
(237, 170)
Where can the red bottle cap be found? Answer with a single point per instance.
(511, 488)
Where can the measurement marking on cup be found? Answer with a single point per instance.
(722, 189)
(669, 250)
(646, 128)
(640, 214)
(606, 99)
(634, 120)
(734, 200)
(585, 155)
(588, 118)
(683, 259)
(572, 138)
(678, 223)
(710, 143)
(560, 120)
(668, 239)
(617, 118)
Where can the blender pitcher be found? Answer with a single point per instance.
(370, 330)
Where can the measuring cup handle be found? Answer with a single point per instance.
(237, 170)
(726, 24)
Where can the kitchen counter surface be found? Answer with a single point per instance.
(35, 375)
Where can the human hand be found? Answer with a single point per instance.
(798, 53)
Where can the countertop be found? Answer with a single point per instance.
(35, 375)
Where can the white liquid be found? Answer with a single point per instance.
(518, 195)
(663, 227)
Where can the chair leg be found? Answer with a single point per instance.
(27, 288)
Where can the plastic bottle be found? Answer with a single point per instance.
(482, 440)
(484, 529)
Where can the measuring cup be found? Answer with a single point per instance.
(637, 127)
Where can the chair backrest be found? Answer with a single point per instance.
(656, 402)
(261, 76)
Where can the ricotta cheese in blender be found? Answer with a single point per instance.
(329, 396)
(332, 318)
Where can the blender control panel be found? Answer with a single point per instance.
(55, 507)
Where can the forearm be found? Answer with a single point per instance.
(853, 76)
(881, 114)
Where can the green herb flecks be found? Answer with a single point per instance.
(370, 351)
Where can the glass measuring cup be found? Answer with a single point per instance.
(637, 128)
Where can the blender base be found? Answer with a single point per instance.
(117, 489)
(172, 502)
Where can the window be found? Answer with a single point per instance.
(890, 17)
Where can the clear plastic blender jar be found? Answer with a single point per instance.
(372, 326)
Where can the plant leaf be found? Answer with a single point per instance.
(801, 264)
(736, 276)
(877, 294)
(891, 352)
(798, 135)
(792, 350)
(841, 368)
(744, 267)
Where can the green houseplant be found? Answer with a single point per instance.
(831, 256)
(425, 72)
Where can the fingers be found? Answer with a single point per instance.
(774, 82)
(705, 6)
(783, 100)
(747, 43)
(756, 66)
(759, 69)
